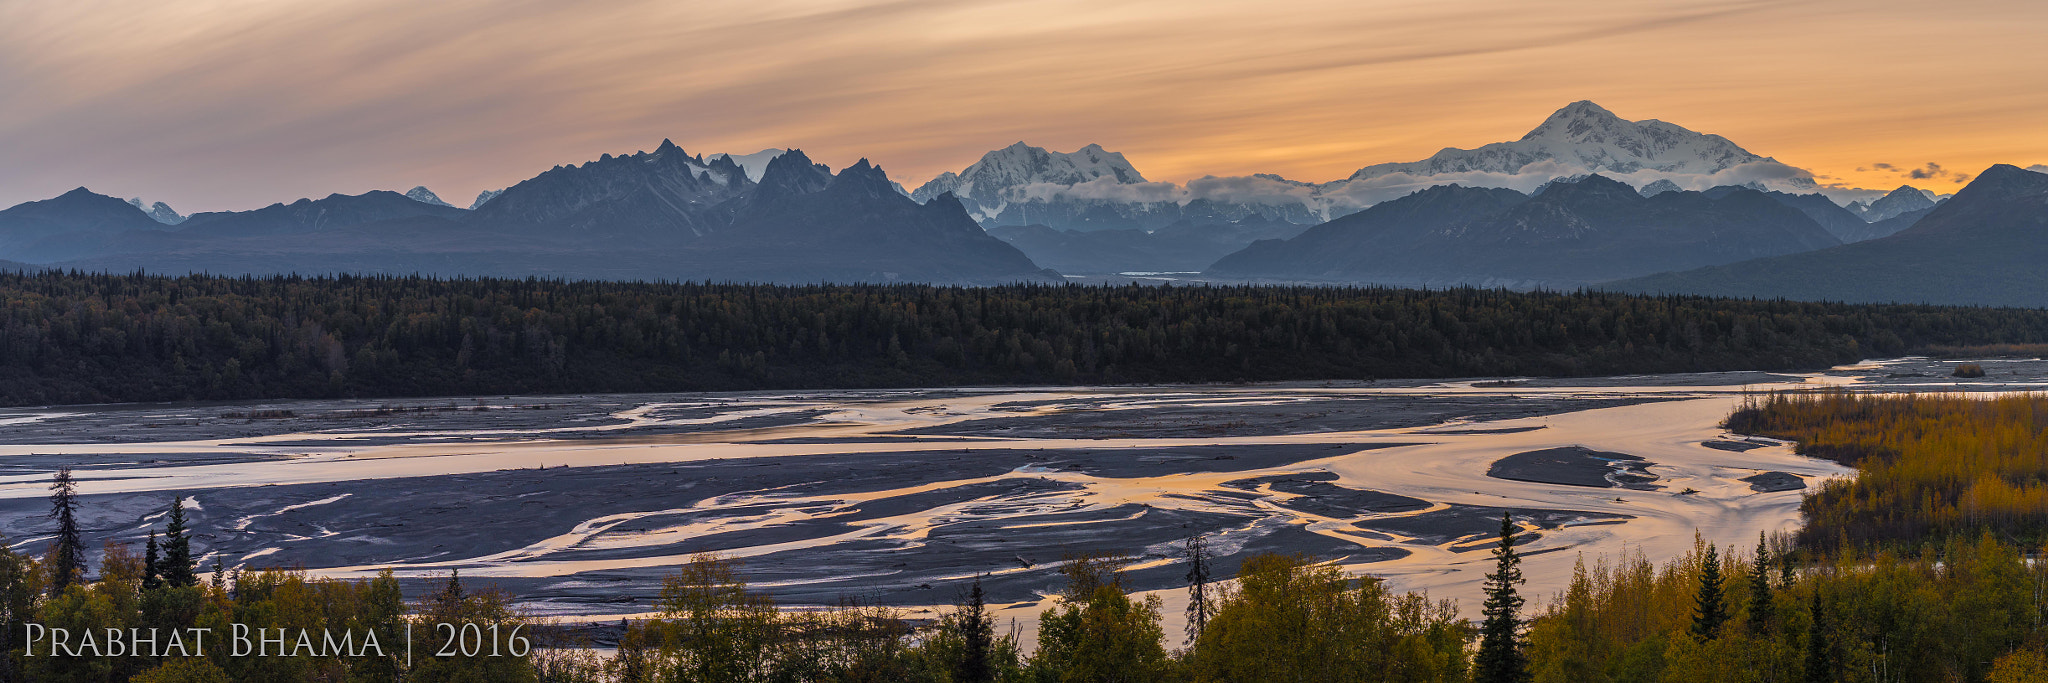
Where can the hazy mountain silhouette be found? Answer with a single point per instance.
(650, 215)
(1569, 234)
(1986, 245)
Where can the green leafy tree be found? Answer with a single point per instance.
(1098, 634)
(487, 654)
(711, 628)
(2026, 665)
(183, 670)
(1500, 658)
(1290, 618)
(19, 591)
(109, 603)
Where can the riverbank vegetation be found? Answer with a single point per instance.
(1930, 467)
(89, 338)
(1922, 575)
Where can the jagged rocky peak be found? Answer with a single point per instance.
(159, 211)
(421, 194)
(485, 197)
(793, 172)
(755, 164)
(864, 177)
(667, 160)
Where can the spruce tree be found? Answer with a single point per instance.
(1820, 661)
(977, 639)
(1760, 607)
(1198, 588)
(67, 550)
(451, 595)
(1786, 572)
(1710, 610)
(177, 565)
(151, 579)
(1500, 658)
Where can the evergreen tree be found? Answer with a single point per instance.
(1198, 588)
(67, 550)
(452, 593)
(1760, 607)
(177, 565)
(1820, 661)
(1709, 609)
(977, 639)
(1786, 571)
(151, 578)
(1500, 658)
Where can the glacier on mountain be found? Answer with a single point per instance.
(1094, 188)
(1022, 173)
(1587, 136)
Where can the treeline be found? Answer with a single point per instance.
(1977, 613)
(154, 618)
(1929, 466)
(75, 338)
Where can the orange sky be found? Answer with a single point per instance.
(232, 104)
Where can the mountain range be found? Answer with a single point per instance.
(1095, 189)
(663, 214)
(1569, 234)
(1905, 199)
(1986, 245)
(1584, 199)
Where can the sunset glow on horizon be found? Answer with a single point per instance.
(234, 104)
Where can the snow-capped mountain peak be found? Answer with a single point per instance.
(1661, 186)
(1905, 199)
(1007, 175)
(485, 197)
(160, 212)
(1584, 137)
(421, 194)
(1021, 164)
(1574, 119)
